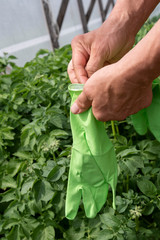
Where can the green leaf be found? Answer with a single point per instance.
(43, 191)
(7, 134)
(25, 231)
(8, 196)
(133, 163)
(122, 140)
(27, 185)
(122, 204)
(42, 52)
(131, 235)
(23, 155)
(43, 233)
(105, 234)
(56, 173)
(47, 169)
(128, 152)
(13, 167)
(12, 57)
(11, 210)
(158, 203)
(9, 223)
(147, 187)
(158, 181)
(56, 121)
(49, 193)
(149, 208)
(3, 61)
(71, 234)
(58, 133)
(8, 182)
(35, 207)
(110, 220)
(39, 190)
(14, 234)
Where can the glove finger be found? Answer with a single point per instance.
(113, 183)
(73, 199)
(93, 199)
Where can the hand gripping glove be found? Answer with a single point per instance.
(149, 118)
(93, 165)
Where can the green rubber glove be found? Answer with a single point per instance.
(149, 118)
(93, 164)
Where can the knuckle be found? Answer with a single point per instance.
(88, 91)
(90, 70)
(81, 104)
(76, 40)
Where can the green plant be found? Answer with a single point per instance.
(35, 147)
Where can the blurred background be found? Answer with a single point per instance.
(23, 26)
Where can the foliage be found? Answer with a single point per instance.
(146, 27)
(35, 148)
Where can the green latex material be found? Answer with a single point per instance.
(149, 118)
(93, 165)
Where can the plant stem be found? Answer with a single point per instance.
(113, 129)
(54, 157)
(117, 129)
(137, 223)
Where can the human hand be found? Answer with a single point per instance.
(110, 42)
(114, 94)
(98, 48)
(125, 87)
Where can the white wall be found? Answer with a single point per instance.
(23, 29)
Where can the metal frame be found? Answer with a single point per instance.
(85, 17)
(55, 27)
(105, 11)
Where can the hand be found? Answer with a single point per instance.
(110, 42)
(98, 48)
(125, 87)
(114, 94)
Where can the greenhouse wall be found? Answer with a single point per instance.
(24, 30)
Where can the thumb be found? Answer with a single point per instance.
(81, 104)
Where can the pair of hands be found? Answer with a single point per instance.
(112, 87)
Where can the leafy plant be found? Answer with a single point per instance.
(35, 148)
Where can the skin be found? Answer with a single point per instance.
(117, 83)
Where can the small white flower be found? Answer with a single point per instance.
(137, 212)
(54, 144)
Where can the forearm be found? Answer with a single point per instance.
(143, 61)
(130, 15)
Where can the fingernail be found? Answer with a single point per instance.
(75, 109)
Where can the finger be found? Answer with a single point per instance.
(94, 63)
(71, 73)
(79, 60)
(81, 104)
